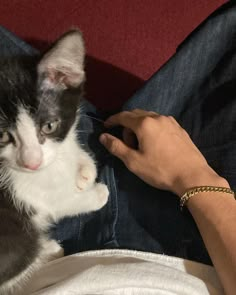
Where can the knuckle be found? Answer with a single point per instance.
(146, 122)
(114, 146)
(125, 113)
(162, 119)
(153, 114)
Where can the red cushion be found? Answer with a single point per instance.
(126, 40)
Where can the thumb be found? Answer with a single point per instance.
(115, 146)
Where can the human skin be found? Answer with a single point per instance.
(166, 158)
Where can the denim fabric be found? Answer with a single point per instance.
(197, 86)
(11, 45)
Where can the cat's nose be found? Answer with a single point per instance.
(32, 167)
(31, 156)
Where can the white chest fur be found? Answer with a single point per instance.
(53, 191)
(46, 188)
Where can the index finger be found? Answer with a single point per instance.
(125, 119)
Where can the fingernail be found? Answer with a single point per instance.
(103, 139)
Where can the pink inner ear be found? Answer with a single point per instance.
(69, 79)
(51, 75)
(73, 80)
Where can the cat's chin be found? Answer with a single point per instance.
(23, 169)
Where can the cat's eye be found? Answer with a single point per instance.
(4, 137)
(50, 127)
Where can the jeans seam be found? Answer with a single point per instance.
(114, 190)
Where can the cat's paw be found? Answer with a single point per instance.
(86, 176)
(102, 195)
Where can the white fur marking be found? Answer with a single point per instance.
(30, 152)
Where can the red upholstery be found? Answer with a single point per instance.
(126, 40)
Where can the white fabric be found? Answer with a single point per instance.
(116, 272)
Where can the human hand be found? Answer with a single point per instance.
(166, 157)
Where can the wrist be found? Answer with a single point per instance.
(204, 176)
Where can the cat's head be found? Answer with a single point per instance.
(39, 99)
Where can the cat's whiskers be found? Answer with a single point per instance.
(4, 177)
(84, 131)
(5, 77)
(3, 114)
(91, 117)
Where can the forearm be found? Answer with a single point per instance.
(215, 216)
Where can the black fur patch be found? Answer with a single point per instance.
(19, 86)
(62, 106)
(18, 239)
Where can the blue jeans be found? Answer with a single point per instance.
(197, 86)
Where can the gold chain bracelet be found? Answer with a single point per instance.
(202, 189)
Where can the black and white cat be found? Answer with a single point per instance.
(44, 173)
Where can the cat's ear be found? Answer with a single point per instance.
(63, 64)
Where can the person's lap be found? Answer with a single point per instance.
(197, 87)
